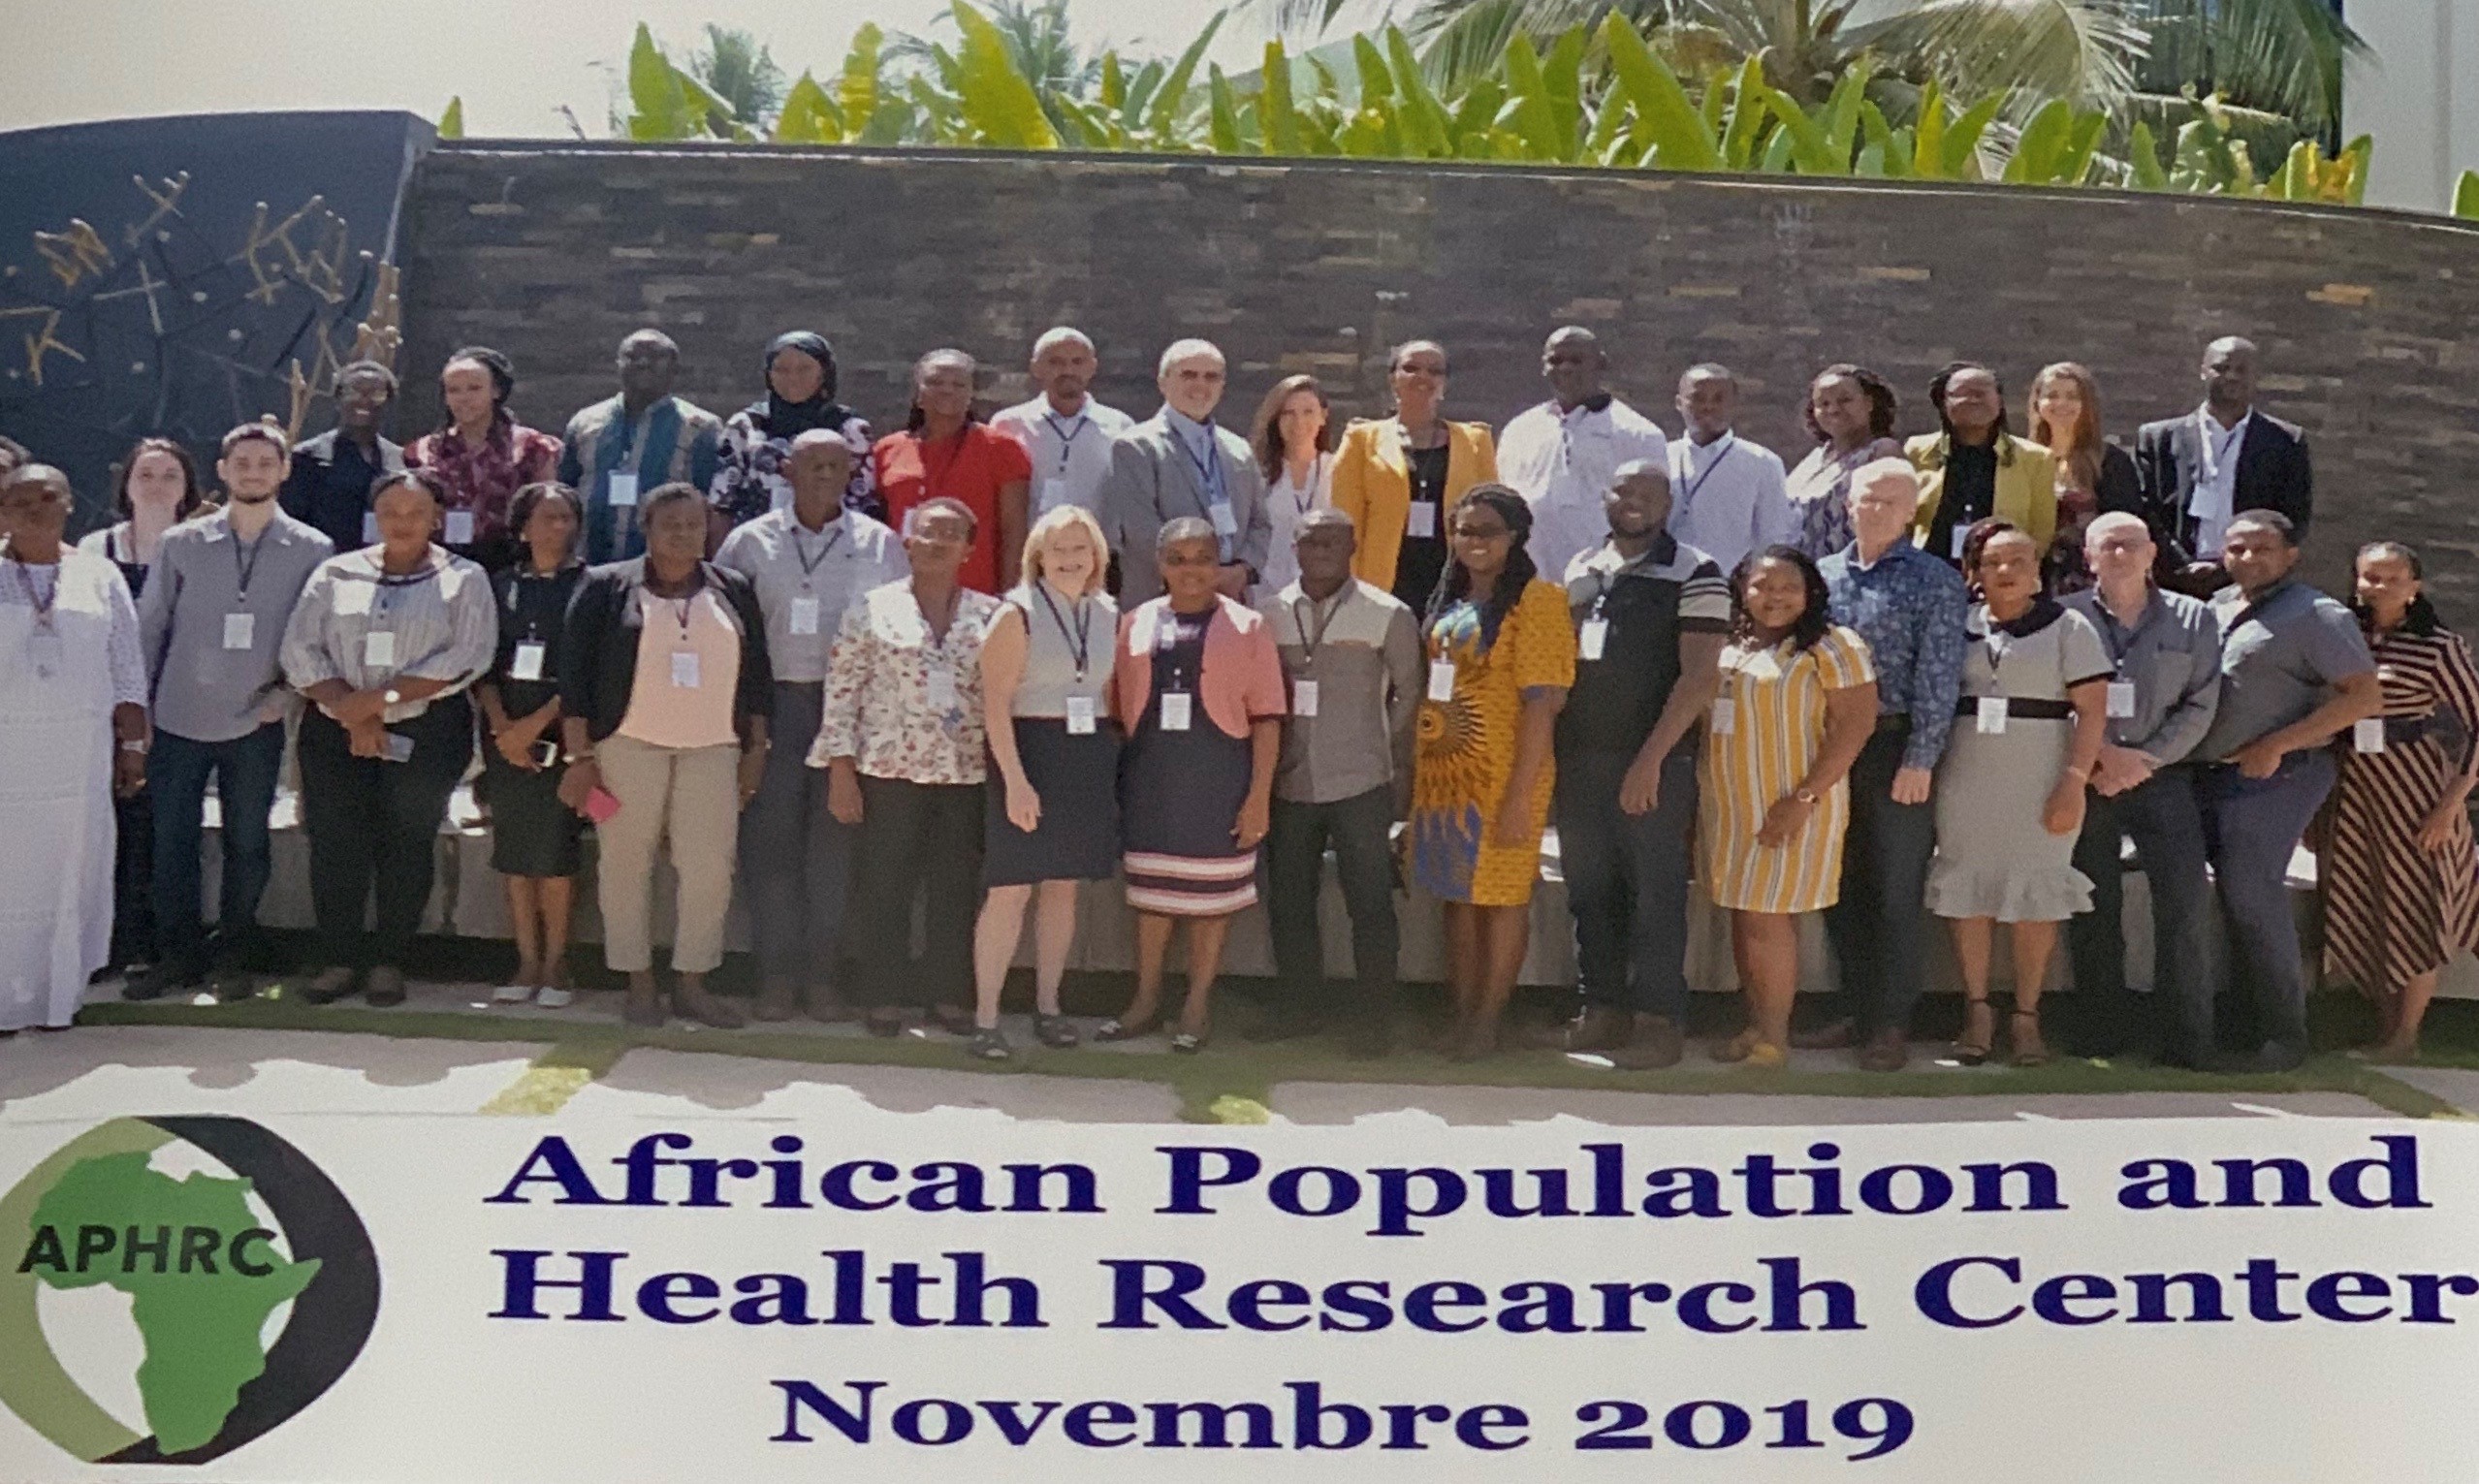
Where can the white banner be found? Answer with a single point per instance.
(957, 1295)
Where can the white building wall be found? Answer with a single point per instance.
(2419, 97)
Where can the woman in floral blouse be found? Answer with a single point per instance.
(753, 475)
(903, 740)
(483, 456)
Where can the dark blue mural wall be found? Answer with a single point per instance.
(166, 275)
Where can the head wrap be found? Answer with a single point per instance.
(775, 418)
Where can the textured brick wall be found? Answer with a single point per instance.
(2366, 318)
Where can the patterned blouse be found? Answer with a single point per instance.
(484, 479)
(902, 705)
(1819, 491)
(752, 478)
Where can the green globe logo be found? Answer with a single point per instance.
(205, 1271)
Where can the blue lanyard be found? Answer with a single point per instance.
(1068, 437)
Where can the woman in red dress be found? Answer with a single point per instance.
(948, 452)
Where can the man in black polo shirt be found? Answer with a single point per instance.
(1651, 615)
(330, 484)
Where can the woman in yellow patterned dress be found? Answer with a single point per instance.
(1798, 700)
(1499, 665)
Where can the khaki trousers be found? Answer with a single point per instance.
(691, 796)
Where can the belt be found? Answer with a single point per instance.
(2019, 708)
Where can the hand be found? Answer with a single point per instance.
(1511, 826)
(2256, 760)
(515, 744)
(1231, 582)
(367, 736)
(2435, 836)
(1254, 819)
(1787, 816)
(1911, 785)
(2120, 769)
(2063, 814)
(843, 791)
(128, 773)
(752, 772)
(1640, 791)
(583, 778)
(360, 705)
(1024, 805)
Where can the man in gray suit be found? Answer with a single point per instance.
(1177, 463)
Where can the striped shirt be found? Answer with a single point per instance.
(439, 621)
(1766, 733)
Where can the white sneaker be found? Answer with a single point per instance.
(553, 999)
(512, 994)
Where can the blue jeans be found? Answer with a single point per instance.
(244, 772)
(1626, 881)
(2250, 827)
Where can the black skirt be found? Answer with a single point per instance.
(1077, 838)
(533, 834)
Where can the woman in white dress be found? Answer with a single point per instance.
(73, 723)
(1294, 440)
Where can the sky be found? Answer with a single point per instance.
(514, 62)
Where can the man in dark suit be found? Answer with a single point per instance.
(2200, 470)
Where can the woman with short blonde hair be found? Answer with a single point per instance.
(1052, 818)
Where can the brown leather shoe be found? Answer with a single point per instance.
(1832, 1035)
(707, 1009)
(1887, 1051)
(1653, 1042)
(777, 999)
(1592, 1028)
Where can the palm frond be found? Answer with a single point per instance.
(2282, 55)
(2084, 51)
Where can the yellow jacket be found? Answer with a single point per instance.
(2027, 485)
(1373, 486)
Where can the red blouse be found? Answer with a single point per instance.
(971, 468)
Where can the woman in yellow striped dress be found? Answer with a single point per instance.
(1799, 700)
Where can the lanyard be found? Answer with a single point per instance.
(1319, 471)
(42, 602)
(1312, 643)
(1729, 441)
(2217, 450)
(1068, 435)
(1209, 468)
(1079, 642)
(246, 568)
(801, 550)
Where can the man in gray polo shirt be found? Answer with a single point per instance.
(2295, 674)
(212, 621)
(2167, 651)
(1351, 657)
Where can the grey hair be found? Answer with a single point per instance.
(1184, 528)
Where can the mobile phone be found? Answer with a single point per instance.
(399, 747)
(546, 752)
(602, 805)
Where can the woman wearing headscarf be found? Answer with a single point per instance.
(483, 455)
(753, 475)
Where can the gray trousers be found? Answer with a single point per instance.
(796, 858)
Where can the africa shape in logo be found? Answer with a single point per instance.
(206, 1260)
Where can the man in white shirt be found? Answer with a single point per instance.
(1560, 455)
(1065, 431)
(1728, 493)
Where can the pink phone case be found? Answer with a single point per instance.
(602, 805)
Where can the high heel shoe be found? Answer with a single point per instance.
(1117, 1029)
(2028, 1049)
(1979, 1033)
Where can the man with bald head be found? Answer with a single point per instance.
(2201, 469)
(2166, 653)
(1560, 455)
(615, 451)
(1065, 430)
(1651, 615)
(1909, 605)
(1351, 659)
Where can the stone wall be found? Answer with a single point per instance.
(553, 253)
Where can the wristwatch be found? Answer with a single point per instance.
(392, 696)
(1807, 796)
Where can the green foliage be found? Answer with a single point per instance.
(451, 120)
(2465, 196)
(1620, 92)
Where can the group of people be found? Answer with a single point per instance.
(965, 667)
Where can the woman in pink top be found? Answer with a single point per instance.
(1199, 693)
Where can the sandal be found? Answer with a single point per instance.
(1056, 1032)
(1740, 1047)
(989, 1044)
(1765, 1057)
(2028, 1049)
(1971, 1048)
(1186, 1043)
(1117, 1029)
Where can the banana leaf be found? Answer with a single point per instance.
(451, 120)
(1223, 129)
(1529, 113)
(856, 93)
(1426, 125)
(1747, 116)
(1278, 123)
(1173, 92)
(1680, 137)
(808, 116)
(659, 106)
(2042, 144)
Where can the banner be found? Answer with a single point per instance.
(964, 1296)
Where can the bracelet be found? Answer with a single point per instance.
(138, 747)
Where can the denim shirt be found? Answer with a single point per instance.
(1910, 607)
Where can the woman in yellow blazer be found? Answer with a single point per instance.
(1977, 468)
(1398, 478)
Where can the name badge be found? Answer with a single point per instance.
(369, 528)
(1080, 715)
(1304, 698)
(1420, 523)
(1593, 638)
(526, 663)
(1054, 494)
(1962, 534)
(239, 630)
(1225, 524)
(2367, 735)
(624, 488)
(1441, 679)
(805, 615)
(1725, 717)
(378, 649)
(940, 684)
(1991, 716)
(460, 528)
(353, 599)
(1176, 705)
(399, 747)
(685, 669)
(2121, 699)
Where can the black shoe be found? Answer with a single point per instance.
(229, 983)
(159, 981)
(387, 986)
(2271, 1056)
(330, 984)
(1055, 1031)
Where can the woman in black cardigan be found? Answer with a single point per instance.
(664, 691)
